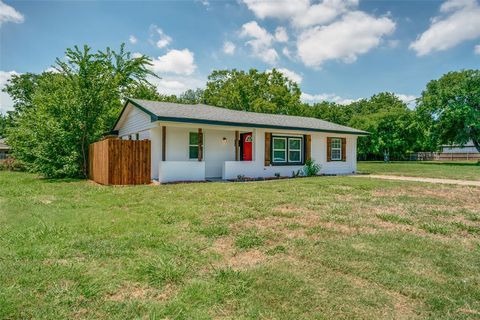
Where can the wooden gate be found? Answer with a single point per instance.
(120, 162)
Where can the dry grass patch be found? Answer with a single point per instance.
(137, 291)
(233, 258)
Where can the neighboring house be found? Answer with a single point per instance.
(198, 142)
(467, 148)
(4, 149)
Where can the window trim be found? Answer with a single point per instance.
(298, 150)
(285, 151)
(287, 161)
(192, 145)
(336, 148)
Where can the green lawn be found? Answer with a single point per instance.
(464, 170)
(312, 248)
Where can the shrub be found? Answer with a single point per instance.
(311, 168)
(10, 164)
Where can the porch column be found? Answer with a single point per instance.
(200, 144)
(237, 145)
(164, 143)
(156, 147)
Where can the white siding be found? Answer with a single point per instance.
(257, 168)
(134, 121)
(216, 152)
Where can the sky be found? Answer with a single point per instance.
(335, 50)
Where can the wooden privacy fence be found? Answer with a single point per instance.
(120, 162)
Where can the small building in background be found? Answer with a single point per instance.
(458, 152)
(4, 149)
(467, 148)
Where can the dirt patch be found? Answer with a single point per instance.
(346, 229)
(233, 258)
(469, 311)
(224, 246)
(289, 209)
(246, 259)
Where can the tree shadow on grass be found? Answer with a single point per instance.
(61, 180)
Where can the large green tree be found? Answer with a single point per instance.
(268, 92)
(331, 111)
(67, 110)
(3, 125)
(393, 128)
(451, 106)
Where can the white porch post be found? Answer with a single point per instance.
(156, 146)
(259, 145)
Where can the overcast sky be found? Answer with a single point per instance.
(336, 50)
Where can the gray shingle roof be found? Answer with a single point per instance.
(201, 113)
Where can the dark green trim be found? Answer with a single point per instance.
(155, 117)
(152, 115)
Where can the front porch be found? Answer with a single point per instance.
(182, 152)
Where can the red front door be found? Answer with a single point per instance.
(247, 146)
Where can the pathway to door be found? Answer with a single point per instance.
(419, 179)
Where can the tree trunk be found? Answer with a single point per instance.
(476, 143)
(85, 160)
(475, 138)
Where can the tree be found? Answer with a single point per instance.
(21, 88)
(331, 111)
(450, 106)
(192, 96)
(268, 92)
(70, 109)
(392, 126)
(3, 124)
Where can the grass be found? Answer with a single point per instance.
(463, 170)
(312, 248)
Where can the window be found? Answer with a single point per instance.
(287, 150)
(336, 149)
(279, 149)
(294, 150)
(193, 145)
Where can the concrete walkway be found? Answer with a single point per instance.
(419, 179)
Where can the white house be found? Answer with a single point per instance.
(199, 142)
